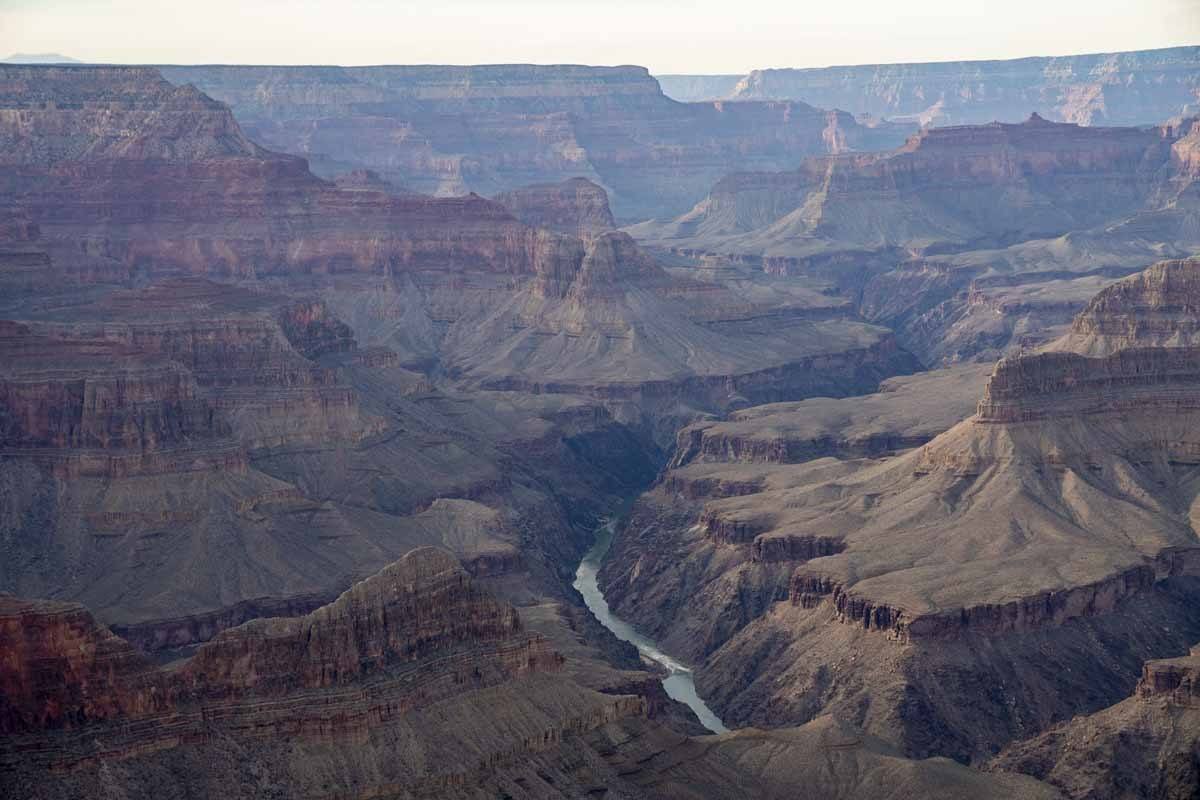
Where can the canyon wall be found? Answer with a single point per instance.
(415, 659)
(1141, 87)
(490, 129)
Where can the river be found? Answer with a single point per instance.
(678, 683)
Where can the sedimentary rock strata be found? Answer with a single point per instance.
(1155, 308)
(414, 657)
(904, 413)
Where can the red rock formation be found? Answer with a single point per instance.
(420, 605)
(65, 671)
(377, 687)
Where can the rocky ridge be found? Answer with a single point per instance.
(415, 643)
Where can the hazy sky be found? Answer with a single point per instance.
(665, 35)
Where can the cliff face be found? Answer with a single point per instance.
(178, 189)
(68, 672)
(1145, 746)
(368, 694)
(128, 175)
(215, 361)
(906, 412)
(1055, 385)
(490, 129)
(415, 660)
(576, 206)
(1156, 308)
(960, 185)
(1136, 88)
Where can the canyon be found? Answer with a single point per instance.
(805, 575)
(492, 129)
(303, 439)
(968, 241)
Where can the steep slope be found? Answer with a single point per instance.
(828, 758)
(1155, 308)
(363, 696)
(1142, 87)
(489, 129)
(1027, 546)
(1145, 746)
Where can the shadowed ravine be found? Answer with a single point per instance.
(678, 684)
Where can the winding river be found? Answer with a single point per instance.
(678, 683)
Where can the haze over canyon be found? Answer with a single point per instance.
(541, 431)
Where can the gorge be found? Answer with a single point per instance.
(518, 431)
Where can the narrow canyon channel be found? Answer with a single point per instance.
(678, 683)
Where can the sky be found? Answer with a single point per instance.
(668, 36)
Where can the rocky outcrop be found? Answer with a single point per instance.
(945, 189)
(1141, 87)
(1145, 746)
(416, 660)
(68, 672)
(576, 206)
(793, 548)
(94, 145)
(970, 241)
(1159, 307)
(492, 129)
(171, 634)
(1176, 679)
(1024, 615)
(1051, 385)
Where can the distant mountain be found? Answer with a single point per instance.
(39, 58)
(1141, 87)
